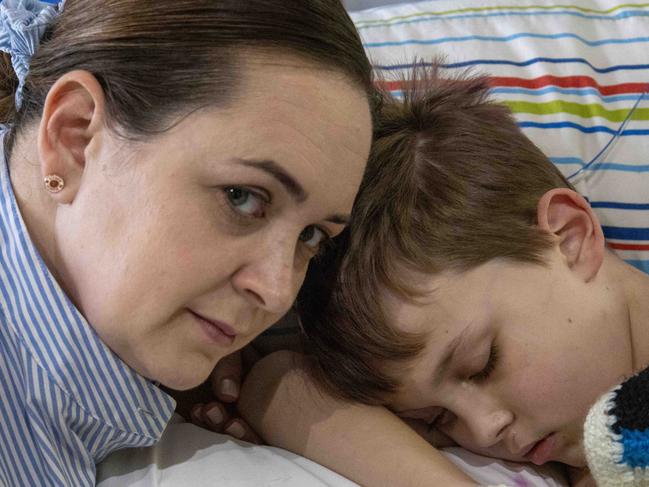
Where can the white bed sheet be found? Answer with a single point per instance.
(191, 456)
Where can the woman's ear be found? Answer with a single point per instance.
(565, 214)
(74, 113)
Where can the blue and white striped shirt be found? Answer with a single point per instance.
(66, 401)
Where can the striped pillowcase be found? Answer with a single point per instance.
(571, 73)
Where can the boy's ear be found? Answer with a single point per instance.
(567, 215)
(73, 114)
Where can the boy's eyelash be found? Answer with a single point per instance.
(486, 372)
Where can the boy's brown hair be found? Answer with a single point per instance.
(451, 184)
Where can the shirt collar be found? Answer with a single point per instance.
(58, 336)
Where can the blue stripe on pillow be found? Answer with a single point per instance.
(626, 233)
(528, 62)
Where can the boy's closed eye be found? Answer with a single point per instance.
(489, 366)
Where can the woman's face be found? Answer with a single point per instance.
(181, 249)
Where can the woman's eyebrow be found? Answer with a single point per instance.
(293, 188)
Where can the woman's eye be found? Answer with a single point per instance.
(489, 367)
(246, 202)
(313, 237)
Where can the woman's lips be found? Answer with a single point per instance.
(217, 331)
(542, 450)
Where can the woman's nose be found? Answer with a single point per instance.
(269, 279)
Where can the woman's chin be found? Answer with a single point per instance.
(183, 384)
(182, 378)
(176, 368)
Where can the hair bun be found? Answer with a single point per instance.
(8, 87)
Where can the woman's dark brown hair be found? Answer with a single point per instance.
(158, 59)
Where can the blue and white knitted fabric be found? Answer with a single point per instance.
(66, 401)
(616, 434)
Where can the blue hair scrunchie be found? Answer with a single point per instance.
(22, 25)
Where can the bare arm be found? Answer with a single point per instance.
(368, 445)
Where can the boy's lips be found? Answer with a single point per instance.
(541, 451)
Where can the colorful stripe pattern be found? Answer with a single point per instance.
(571, 73)
(66, 400)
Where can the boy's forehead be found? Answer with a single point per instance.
(435, 306)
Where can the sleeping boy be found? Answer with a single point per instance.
(473, 294)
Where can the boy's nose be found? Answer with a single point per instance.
(485, 421)
(490, 427)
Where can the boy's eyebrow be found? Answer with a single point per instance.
(291, 185)
(448, 354)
